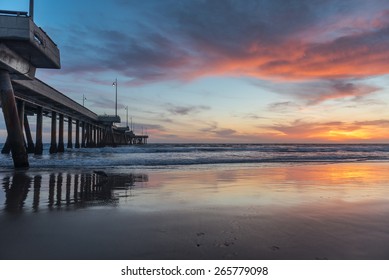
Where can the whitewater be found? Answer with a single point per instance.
(164, 155)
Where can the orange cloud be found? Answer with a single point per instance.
(347, 57)
(373, 131)
(334, 131)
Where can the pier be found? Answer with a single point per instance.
(24, 47)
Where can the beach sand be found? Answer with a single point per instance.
(267, 211)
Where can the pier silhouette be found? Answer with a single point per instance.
(24, 47)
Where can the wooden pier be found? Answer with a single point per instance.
(23, 48)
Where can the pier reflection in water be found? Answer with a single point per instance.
(29, 192)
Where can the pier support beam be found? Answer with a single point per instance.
(98, 137)
(77, 134)
(20, 106)
(27, 130)
(11, 117)
(113, 143)
(70, 143)
(61, 146)
(39, 129)
(53, 145)
(6, 148)
(94, 136)
(90, 136)
(83, 135)
(92, 140)
(87, 135)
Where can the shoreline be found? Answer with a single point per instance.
(189, 166)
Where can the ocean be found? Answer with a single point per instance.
(198, 201)
(163, 155)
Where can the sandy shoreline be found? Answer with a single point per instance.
(305, 211)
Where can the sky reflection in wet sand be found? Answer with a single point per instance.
(274, 211)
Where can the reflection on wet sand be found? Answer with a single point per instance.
(58, 190)
(279, 211)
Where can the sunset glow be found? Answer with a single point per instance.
(227, 71)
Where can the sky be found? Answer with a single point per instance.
(224, 71)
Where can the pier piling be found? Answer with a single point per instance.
(61, 146)
(94, 136)
(27, 130)
(39, 129)
(20, 106)
(53, 144)
(83, 135)
(70, 143)
(11, 117)
(77, 144)
(6, 148)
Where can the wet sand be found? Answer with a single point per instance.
(273, 211)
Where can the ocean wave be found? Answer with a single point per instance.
(199, 154)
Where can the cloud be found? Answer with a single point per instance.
(349, 57)
(251, 116)
(282, 106)
(264, 45)
(335, 90)
(262, 39)
(213, 130)
(103, 103)
(151, 127)
(185, 110)
(380, 123)
(314, 92)
(332, 131)
(225, 132)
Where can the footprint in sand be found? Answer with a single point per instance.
(199, 235)
(275, 248)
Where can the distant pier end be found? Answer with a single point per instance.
(120, 135)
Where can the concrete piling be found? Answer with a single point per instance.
(83, 135)
(95, 136)
(6, 148)
(61, 145)
(77, 145)
(11, 117)
(27, 130)
(70, 136)
(39, 129)
(20, 106)
(87, 135)
(53, 144)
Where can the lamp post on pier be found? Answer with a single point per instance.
(83, 100)
(115, 84)
(126, 116)
(31, 13)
